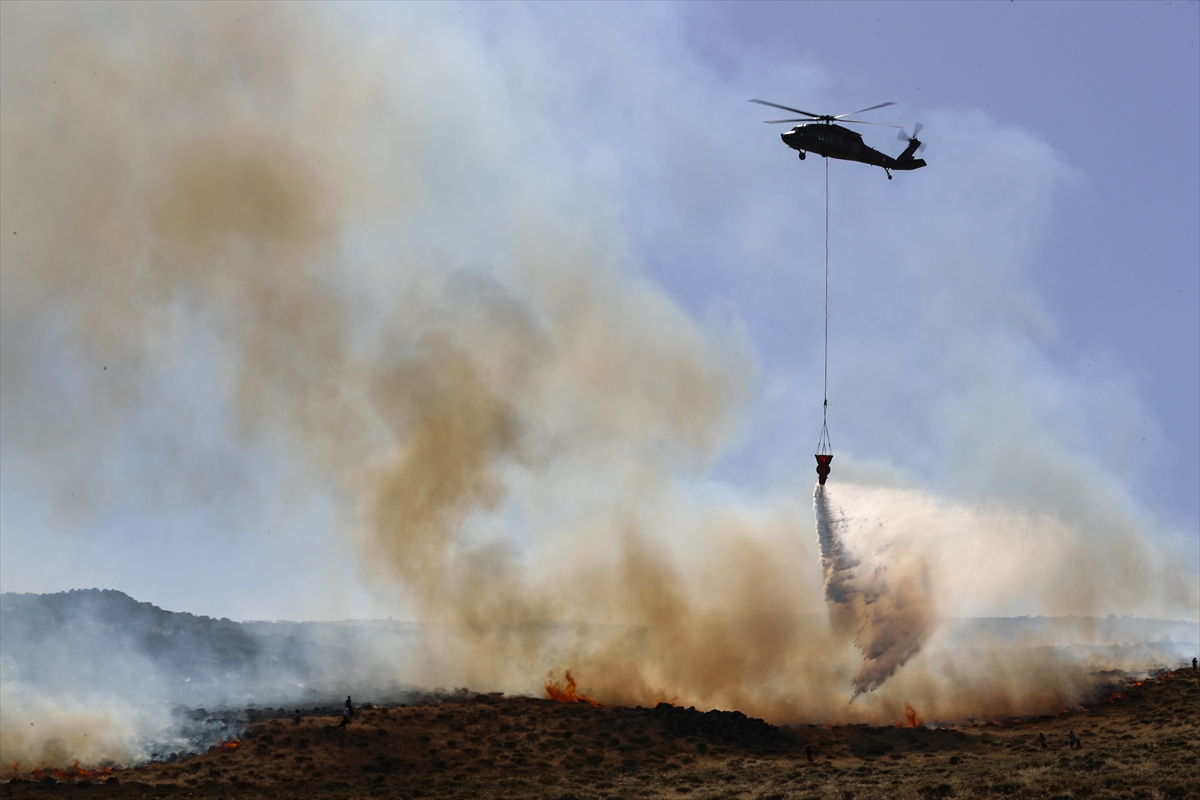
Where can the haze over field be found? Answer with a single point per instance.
(312, 312)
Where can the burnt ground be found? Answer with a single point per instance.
(1144, 743)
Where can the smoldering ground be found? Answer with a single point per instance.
(256, 254)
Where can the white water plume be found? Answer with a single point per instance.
(878, 582)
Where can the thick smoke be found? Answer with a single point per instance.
(253, 255)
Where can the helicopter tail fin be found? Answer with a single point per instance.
(908, 163)
(913, 144)
(905, 160)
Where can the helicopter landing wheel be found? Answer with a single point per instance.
(889, 174)
(802, 155)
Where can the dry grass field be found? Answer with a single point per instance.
(1144, 743)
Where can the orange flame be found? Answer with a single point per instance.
(228, 744)
(911, 720)
(654, 700)
(567, 693)
(74, 773)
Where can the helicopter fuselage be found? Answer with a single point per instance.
(834, 141)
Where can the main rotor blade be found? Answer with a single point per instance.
(852, 113)
(772, 121)
(786, 108)
(867, 122)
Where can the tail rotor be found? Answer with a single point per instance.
(904, 137)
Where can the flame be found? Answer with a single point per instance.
(228, 744)
(74, 773)
(1115, 696)
(567, 693)
(911, 718)
(654, 700)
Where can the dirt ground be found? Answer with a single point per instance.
(1143, 742)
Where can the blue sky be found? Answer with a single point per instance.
(1013, 329)
(1113, 89)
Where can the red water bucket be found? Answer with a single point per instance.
(823, 460)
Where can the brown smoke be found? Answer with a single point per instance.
(177, 187)
(243, 251)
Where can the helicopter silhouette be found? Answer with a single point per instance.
(818, 134)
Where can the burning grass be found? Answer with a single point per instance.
(911, 718)
(567, 692)
(1138, 741)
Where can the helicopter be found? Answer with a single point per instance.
(834, 141)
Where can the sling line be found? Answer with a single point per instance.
(824, 453)
(824, 446)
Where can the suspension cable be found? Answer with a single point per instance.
(824, 445)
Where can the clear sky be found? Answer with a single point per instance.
(1014, 327)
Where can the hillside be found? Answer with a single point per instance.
(78, 651)
(1142, 741)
